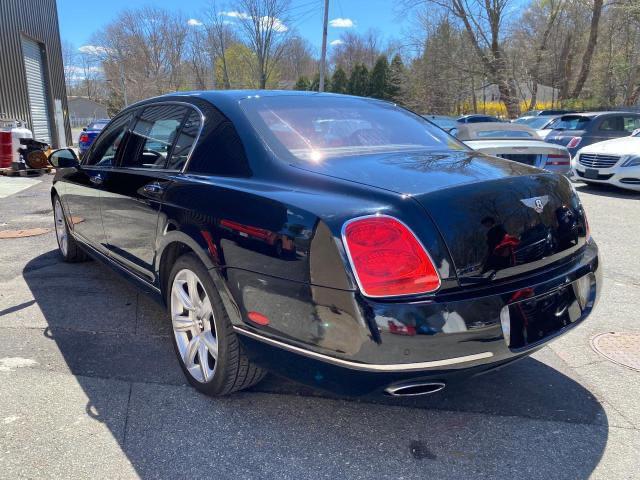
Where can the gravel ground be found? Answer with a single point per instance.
(91, 388)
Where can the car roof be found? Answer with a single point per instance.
(599, 114)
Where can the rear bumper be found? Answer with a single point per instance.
(342, 342)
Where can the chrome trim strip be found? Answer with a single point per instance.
(365, 367)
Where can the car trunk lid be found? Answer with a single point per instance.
(498, 218)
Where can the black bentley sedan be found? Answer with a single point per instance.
(343, 242)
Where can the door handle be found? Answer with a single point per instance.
(153, 189)
(96, 179)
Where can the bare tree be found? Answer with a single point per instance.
(483, 21)
(591, 45)
(220, 36)
(264, 24)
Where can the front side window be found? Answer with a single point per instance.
(313, 129)
(109, 143)
(152, 138)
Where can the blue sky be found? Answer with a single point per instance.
(79, 19)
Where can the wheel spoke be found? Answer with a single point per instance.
(207, 311)
(192, 285)
(210, 342)
(185, 298)
(182, 323)
(203, 359)
(191, 351)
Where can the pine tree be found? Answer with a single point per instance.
(397, 80)
(359, 81)
(315, 83)
(302, 83)
(339, 81)
(379, 82)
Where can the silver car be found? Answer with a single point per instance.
(513, 141)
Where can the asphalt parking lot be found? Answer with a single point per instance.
(90, 386)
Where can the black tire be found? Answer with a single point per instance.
(233, 370)
(73, 252)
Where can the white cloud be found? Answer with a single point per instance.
(235, 14)
(342, 23)
(336, 42)
(194, 22)
(93, 50)
(76, 73)
(278, 26)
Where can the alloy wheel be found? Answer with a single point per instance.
(193, 324)
(61, 227)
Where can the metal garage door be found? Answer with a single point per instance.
(38, 101)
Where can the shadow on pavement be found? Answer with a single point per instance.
(605, 190)
(529, 419)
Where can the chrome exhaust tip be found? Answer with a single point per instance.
(414, 389)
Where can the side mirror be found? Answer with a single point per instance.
(84, 129)
(64, 158)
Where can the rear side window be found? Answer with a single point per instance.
(185, 141)
(108, 145)
(152, 138)
(570, 122)
(612, 124)
(631, 123)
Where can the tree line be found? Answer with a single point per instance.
(458, 56)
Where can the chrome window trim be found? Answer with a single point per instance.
(366, 367)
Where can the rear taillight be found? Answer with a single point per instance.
(558, 159)
(84, 138)
(387, 258)
(574, 142)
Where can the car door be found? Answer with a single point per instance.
(133, 191)
(84, 186)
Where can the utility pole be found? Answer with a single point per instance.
(323, 57)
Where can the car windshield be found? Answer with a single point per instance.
(97, 125)
(570, 122)
(317, 128)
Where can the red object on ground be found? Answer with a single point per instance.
(5, 148)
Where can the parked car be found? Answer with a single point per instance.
(536, 113)
(417, 261)
(89, 134)
(577, 130)
(516, 142)
(616, 162)
(475, 118)
(446, 123)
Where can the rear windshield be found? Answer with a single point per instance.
(570, 122)
(317, 128)
(533, 122)
(504, 134)
(97, 125)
